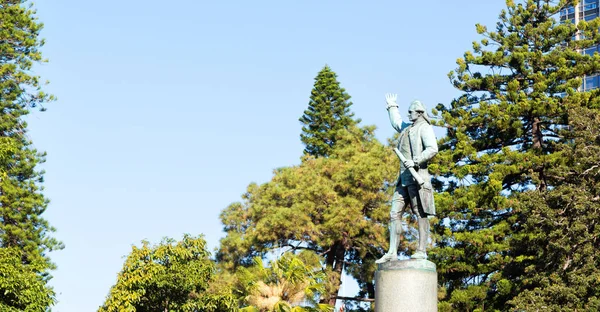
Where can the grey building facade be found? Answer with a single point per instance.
(585, 10)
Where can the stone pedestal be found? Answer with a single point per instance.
(406, 286)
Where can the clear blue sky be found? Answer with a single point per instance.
(167, 110)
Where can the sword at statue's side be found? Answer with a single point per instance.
(412, 170)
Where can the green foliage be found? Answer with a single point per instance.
(171, 276)
(334, 206)
(504, 168)
(328, 112)
(290, 283)
(21, 285)
(24, 234)
(8, 147)
(558, 233)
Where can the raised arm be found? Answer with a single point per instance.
(394, 113)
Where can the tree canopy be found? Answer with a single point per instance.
(171, 276)
(24, 233)
(289, 283)
(23, 287)
(335, 207)
(328, 112)
(509, 166)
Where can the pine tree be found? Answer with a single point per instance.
(557, 236)
(328, 112)
(504, 159)
(23, 232)
(335, 206)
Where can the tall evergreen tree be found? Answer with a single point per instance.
(508, 171)
(557, 235)
(328, 112)
(336, 207)
(23, 232)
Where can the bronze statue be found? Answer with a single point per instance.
(416, 147)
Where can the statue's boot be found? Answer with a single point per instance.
(421, 252)
(392, 254)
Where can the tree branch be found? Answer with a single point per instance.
(589, 169)
(355, 299)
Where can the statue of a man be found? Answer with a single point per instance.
(416, 147)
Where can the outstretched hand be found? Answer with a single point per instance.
(390, 100)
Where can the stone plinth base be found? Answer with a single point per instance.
(406, 286)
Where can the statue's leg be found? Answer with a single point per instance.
(398, 204)
(423, 234)
(395, 232)
(421, 252)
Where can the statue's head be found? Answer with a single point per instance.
(416, 110)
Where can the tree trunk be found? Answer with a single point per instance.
(536, 132)
(330, 257)
(334, 260)
(371, 289)
(538, 140)
(338, 254)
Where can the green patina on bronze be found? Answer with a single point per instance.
(416, 147)
(412, 264)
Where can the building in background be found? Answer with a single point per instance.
(585, 10)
